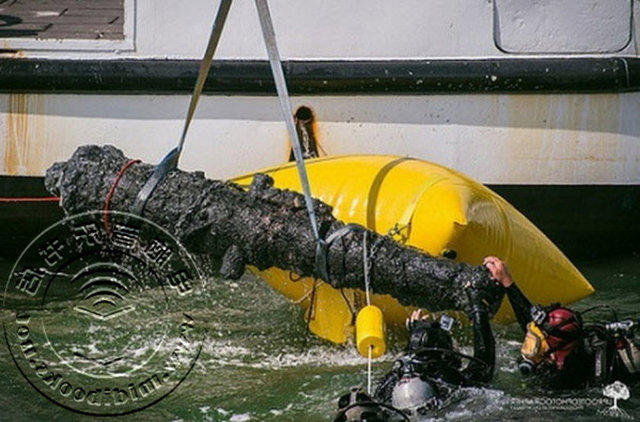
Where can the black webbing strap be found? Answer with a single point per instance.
(170, 161)
(322, 250)
(269, 36)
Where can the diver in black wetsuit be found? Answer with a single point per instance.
(564, 352)
(430, 369)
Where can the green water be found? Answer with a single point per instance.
(258, 363)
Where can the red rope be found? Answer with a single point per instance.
(27, 199)
(112, 190)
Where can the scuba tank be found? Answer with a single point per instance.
(626, 347)
(630, 356)
(601, 350)
(414, 395)
(615, 350)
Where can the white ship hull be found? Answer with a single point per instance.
(540, 100)
(496, 138)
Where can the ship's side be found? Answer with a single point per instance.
(539, 100)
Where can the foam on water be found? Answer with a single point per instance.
(258, 362)
(225, 353)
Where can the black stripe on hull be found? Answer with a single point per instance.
(363, 77)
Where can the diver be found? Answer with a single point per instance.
(561, 350)
(430, 369)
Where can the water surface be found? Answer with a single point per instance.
(260, 364)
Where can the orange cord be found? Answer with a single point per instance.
(112, 190)
(57, 198)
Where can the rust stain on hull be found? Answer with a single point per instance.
(578, 136)
(16, 132)
(6, 51)
(24, 137)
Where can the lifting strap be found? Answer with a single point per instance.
(269, 36)
(170, 161)
(322, 264)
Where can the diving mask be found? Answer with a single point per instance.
(535, 348)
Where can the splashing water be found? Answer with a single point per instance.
(258, 363)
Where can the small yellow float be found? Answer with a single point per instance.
(431, 208)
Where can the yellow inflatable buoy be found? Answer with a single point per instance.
(370, 332)
(432, 208)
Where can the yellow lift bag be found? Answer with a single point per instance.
(431, 208)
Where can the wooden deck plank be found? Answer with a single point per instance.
(83, 35)
(83, 28)
(76, 20)
(62, 19)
